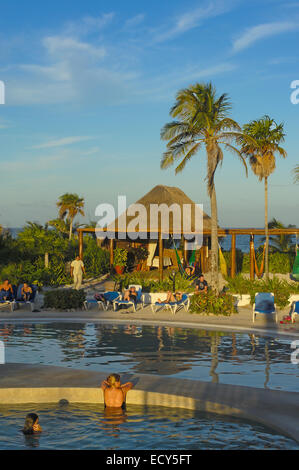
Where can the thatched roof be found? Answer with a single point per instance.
(169, 196)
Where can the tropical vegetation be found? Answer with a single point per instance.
(69, 206)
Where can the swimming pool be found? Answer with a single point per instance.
(91, 427)
(198, 354)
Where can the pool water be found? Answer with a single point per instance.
(230, 358)
(91, 427)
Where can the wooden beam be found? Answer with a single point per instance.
(251, 257)
(161, 257)
(81, 245)
(111, 247)
(221, 232)
(233, 256)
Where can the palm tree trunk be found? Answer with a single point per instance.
(71, 228)
(266, 230)
(214, 241)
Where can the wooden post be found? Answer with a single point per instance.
(81, 244)
(161, 258)
(111, 246)
(251, 257)
(185, 253)
(233, 256)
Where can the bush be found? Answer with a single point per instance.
(96, 260)
(64, 299)
(281, 288)
(217, 304)
(152, 285)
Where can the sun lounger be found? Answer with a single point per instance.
(172, 306)
(139, 300)
(264, 304)
(109, 297)
(10, 303)
(19, 301)
(295, 310)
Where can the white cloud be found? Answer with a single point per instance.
(88, 25)
(256, 33)
(134, 21)
(61, 142)
(67, 46)
(192, 19)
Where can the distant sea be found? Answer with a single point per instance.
(242, 241)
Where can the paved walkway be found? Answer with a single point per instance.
(241, 321)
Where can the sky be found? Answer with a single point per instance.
(89, 85)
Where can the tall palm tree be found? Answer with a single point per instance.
(260, 142)
(296, 173)
(69, 206)
(201, 120)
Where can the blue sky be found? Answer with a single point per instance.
(90, 84)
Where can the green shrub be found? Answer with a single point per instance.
(96, 259)
(120, 256)
(280, 288)
(152, 285)
(64, 299)
(217, 304)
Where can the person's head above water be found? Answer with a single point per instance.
(30, 420)
(113, 380)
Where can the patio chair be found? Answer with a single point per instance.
(109, 297)
(173, 306)
(264, 304)
(295, 310)
(10, 303)
(139, 299)
(19, 301)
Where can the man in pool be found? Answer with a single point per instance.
(114, 392)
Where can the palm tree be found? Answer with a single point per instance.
(201, 120)
(282, 243)
(260, 142)
(69, 206)
(296, 173)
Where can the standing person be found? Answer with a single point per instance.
(77, 271)
(115, 393)
(201, 285)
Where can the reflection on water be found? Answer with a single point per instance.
(234, 358)
(92, 427)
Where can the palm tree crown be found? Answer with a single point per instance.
(69, 206)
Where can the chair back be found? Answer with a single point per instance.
(110, 296)
(264, 300)
(296, 309)
(184, 297)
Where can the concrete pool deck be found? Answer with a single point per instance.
(242, 321)
(26, 383)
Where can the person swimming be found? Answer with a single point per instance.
(31, 425)
(115, 393)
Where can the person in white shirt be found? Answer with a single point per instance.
(77, 271)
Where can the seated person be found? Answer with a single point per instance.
(190, 270)
(130, 294)
(115, 393)
(6, 291)
(201, 285)
(26, 292)
(171, 297)
(31, 425)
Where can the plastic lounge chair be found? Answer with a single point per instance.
(10, 303)
(109, 297)
(173, 306)
(295, 310)
(139, 299)
(264, 304)
(20, 301)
